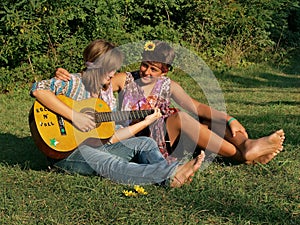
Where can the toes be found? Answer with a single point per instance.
(190, 179)
(201, 156)
(176, 182)
(280, 133)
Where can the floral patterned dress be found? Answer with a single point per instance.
(133, 98)
(108, 96)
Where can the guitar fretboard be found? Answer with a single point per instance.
(119, 116)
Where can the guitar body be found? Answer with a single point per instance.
(57, 137)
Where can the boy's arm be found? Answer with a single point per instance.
(62, 74)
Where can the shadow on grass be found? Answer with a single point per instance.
(21, 152)
(291, 103)
(259, 80)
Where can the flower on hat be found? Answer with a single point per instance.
(149, 46)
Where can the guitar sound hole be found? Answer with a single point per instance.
(91, 112)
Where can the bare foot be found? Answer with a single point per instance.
(264, 149)
(264, 159)
(267, 158)
(186, 171)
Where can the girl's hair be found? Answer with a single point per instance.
(101, 57)
(158, 51)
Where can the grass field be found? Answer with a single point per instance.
(262, 98)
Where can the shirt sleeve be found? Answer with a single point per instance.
(53, 85)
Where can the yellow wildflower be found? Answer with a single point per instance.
(140, 190)
(137, 190)
(129, 193)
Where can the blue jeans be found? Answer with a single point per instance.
(133, 161)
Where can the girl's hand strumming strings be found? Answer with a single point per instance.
(84, 122)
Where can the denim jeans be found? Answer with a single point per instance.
(133, 161)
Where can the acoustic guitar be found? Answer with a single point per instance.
(56, 137)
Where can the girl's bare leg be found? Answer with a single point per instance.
(239, 148)
(199, 133)
(185, 172)
(260, 150)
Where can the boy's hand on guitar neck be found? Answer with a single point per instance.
(84, 122)
(154, 116)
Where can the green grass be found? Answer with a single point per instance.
(262, 98)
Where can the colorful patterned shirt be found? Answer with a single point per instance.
(133, 98)
(75, 89)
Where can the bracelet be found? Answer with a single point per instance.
(230, 120)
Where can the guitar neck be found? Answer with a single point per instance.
(119, 116)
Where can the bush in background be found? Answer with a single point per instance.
(36, 36)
